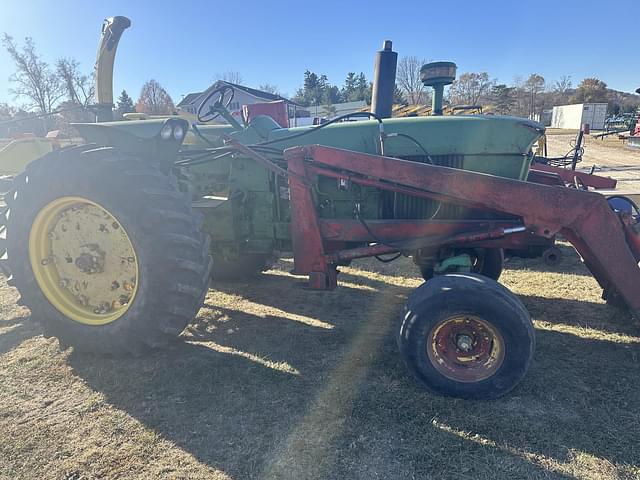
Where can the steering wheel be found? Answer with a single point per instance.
(215, 108)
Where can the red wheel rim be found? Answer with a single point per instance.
(465, 348)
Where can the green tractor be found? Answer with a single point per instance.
(112, 243)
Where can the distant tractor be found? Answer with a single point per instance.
(112, 243)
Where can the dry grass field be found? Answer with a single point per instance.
(273, 381)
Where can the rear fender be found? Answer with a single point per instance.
(139, 138)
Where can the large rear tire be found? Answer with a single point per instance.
(466, 336)
(105, 250)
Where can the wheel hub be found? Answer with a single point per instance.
(465, 348)
(89, 263)
(464, 343)
(83, 260)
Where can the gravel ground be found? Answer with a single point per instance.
(610, 156)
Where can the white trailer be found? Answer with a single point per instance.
(575, 116)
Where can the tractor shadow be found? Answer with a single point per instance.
(570, 263)
(581, 314)
(16, 324)
(274, 381)
(15, 330)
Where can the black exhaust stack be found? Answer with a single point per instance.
(384, 81)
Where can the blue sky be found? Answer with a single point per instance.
(184, 44)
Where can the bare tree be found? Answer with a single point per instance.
(154, 99)
(79, 88)
(33, 78)
(269, 88)
(408, 78)
(230, 76)
(561, 90)
(521, 107)
(534, 85)
(563, 85)
(470, 87)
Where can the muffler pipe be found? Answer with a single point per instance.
(384, 81)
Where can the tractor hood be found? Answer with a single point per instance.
(456, 134)
(490, 144)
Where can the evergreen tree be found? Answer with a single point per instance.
(124, 103)
(349, 88)
(363, 88)
(332, 94)
(316, 90)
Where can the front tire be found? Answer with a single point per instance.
(467, 336)
(105, 250)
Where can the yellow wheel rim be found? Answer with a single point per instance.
(83, 260)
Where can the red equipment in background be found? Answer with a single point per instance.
(277, 110)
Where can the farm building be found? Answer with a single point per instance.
(575, 116)
(242, 96)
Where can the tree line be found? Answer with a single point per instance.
(62, 87)
(57, 94)
(525, 97)
(529, 96)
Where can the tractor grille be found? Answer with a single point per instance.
(452, 161)
(404, 207)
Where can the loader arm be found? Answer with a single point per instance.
(608, 242)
